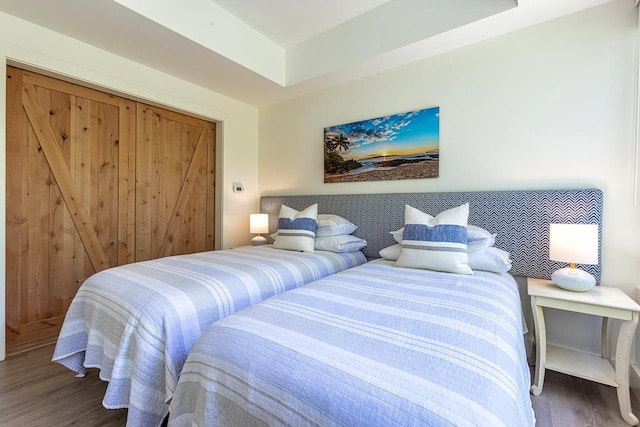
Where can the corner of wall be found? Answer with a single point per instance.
(3, 171)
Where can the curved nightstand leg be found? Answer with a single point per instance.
(623, 351)
(541, 347)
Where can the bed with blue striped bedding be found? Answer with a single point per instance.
(375, 345)
(138, 322)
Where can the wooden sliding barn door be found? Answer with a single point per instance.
(175, 177)
(70, 196)
(94, 181)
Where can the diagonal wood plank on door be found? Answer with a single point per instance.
(80, 216)
(199, 156)
(174, 183)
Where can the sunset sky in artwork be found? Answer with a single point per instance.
(397, 135)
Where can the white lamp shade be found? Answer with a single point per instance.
(258, 223)
(574, 243)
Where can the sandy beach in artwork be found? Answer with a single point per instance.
(426, 169)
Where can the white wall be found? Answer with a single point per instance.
(550, 106)
(22, 42)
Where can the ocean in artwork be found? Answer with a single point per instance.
(400, 146)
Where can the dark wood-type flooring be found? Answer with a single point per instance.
(36, 392)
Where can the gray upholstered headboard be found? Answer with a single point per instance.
(520, 218)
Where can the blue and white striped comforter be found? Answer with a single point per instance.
(371, 346)
(138, 322)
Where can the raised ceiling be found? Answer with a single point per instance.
(265, 51)
(290, 22)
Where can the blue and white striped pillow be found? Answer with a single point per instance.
(438, 243)
(297, 230)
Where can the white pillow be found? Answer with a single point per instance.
(435, 243)
(343, 243)
(490, 259)
(296, 230)
(334, 225)
(477, 237)
(392, 253)
(397, 235)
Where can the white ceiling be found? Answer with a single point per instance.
(265, 51)
(289, 22)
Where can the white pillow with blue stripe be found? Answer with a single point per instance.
(477, 238)
(297, 230)
(435, 243)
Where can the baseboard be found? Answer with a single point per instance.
(31, 345)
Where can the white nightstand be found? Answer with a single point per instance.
(602, 301)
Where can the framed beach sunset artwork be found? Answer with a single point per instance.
(401, 146)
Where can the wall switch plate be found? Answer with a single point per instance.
(237, 187)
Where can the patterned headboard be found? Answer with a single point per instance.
(520, 218)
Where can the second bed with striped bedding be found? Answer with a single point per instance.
(375, 345)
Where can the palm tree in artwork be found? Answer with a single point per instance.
(329, 143)
(333, 161)
(341, 143)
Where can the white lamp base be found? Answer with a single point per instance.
(259, 240)
(573, 279)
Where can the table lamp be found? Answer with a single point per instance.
(259, 223)
(575, 244)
